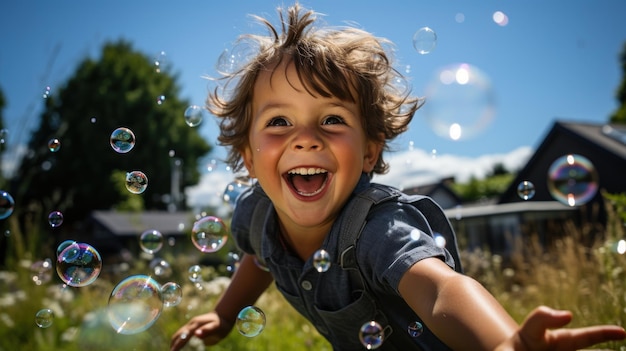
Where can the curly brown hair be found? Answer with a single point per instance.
(347, 63)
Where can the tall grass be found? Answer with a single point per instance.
(588, 279)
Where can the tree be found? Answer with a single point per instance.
(619, 116)
(120, 89)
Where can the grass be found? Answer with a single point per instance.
(586, 279)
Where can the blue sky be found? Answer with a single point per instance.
(554, 59)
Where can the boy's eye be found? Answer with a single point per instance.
(333, 120)
(278, 122)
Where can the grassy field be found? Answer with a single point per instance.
(588, 280)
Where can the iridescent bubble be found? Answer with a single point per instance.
(526, 190)
(195, 274)
(160, 267)
(44, 318)
(7, 204)
(209, 234)
(415, 329)
(460, 102)
(122, 140)
(54, 145)
(250, 321)
(55, 218)
(234, 189)
(46, 92)
(194, 115)
(160, 99)
(424, 40)
(151, 241)
(135, 304)
(62, 246)
(321, 260)
(41, 271)
(372, 335)
(572, 180)
(172, 294)
(232, 262)
(159, 61)
(79, 264)
(136, 182)
(233, 59)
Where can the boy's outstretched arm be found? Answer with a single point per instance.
(247, 284)
(464, 315)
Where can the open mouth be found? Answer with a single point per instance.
(307, 181)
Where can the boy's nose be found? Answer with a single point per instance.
(307, 140)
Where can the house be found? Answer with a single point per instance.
(499, 225)
(440, 192)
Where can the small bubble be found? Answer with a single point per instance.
(160, 99)
(46, 92)
(194, 115)
(232, 262)
(54, 145)
(172, 294)
(572, 180)
(122, 140)
(234, 189)
(424, 40)
(151, 241)
(526, 190)
(372, 335)
(136, 182)
(41, 271)
(440, 241)
(415, 329)
(44, 318)
(321, 260)
(55, 219)
(4, 133)
(135, 304)
(209, 234)
(7, 204)
(159, 61)
(79, 264)
(93, 120)
(195, 274)
(250, 321)
(160, 268)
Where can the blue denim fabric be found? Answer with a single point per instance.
(336, 301)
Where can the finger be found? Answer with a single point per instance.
(574, 339)
(179, 339)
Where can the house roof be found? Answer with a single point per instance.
(134, 223)
(508, 208)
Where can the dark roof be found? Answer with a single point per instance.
(134, 223)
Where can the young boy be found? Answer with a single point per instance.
(309, 119)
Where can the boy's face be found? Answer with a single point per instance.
(307, 152)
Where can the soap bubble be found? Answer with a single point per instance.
(46, 92)
(424, 40)
(209, 234)
(135, 304)
(122, 140)
(572, 180)
(159, 61)
(194, 115)
(160, 99)
(372, 335)
(55, 218)
(7, 204)
(160, 267)
(79, 264)
(321, 260)
(440, 241)
(233, 59)
(44, 318)
(41, 271)
(415, 329)
(460, 102)
(526, 190)
(151, 241)
(54, 145)
(136, 182)
(195, 274)
(172, 294)
(232, 262)
(234, 189)
(250, 321)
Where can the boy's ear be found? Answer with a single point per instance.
(247, 161)
(373, 150)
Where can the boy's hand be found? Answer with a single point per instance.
(209, 327)
(537, 333)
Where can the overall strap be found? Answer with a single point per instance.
(257, 226)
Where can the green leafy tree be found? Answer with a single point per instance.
(120, 89)
(619, 116)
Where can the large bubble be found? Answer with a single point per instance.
(135, 304)
(460, 102)
(209, 234)
(44, 318)
(7, 204)
(122, 140)
(250, 321)
(372, 335)
(136, 182)
(79, 264)
(572, 180)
